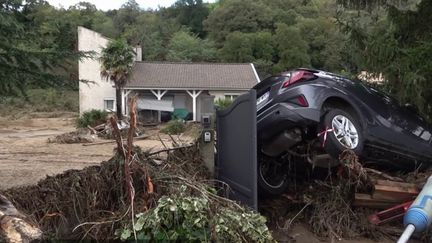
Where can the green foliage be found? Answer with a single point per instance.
(29, 56)
(38, 41)
(223, 103)
(292, 48)
(116, 64)
(174, 127)
(40, 100)
(191, 14)
(91, 118)
(238, 15)
(185, 218)
(399, 46)
(184, 46)
(116, 61)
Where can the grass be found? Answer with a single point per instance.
(40, 101)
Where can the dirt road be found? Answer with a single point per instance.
(26, 156)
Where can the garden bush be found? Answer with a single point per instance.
(174, 127)
(92, 118)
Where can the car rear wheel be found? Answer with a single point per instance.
(272, 176)
(340, 131)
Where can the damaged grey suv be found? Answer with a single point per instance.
(316, 115)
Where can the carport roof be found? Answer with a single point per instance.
(207, 76)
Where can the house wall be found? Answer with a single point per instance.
(92, 95)
(220, 94)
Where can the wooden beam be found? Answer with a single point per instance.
(395, 191)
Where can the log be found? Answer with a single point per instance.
(98, 143)
(170, 149)
(93, 131)
(13, 226)
(100, 127)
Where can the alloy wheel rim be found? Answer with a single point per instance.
(345, 131)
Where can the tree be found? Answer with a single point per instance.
(126, 15)
(248, 47)
(25, 57)
(190, 13)
(292, 48)
(238, 47)
(398, 46)
(245, 16)
(116, 64)
(185, 46)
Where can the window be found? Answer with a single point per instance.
(109, 104)
(231, 96)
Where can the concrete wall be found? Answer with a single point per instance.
(92, 95)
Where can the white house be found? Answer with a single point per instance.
(160, 86)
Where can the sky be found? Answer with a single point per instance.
(115, 4)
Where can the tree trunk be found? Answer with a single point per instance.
(13, 226)
(119, 103)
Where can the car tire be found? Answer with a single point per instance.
(271, 185)
(345, 132)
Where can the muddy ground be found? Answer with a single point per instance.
(26, 157)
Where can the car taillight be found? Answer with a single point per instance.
(300, 100)
(298, 76)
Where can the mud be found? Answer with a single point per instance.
(26, 156)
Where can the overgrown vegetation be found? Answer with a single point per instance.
(39, 100)
(343, 36)
(91, 118)
(175, 126)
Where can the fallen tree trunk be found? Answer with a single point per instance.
(13, 226)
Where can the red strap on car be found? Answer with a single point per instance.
(324, 133)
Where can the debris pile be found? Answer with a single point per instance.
(110, 201)
(349, 202)
(105, 130)
(81, 135)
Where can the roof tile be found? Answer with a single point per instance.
(211, 76)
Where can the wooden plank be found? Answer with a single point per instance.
(366, 200)
(397, 189)
(404, 185)
(394, 191)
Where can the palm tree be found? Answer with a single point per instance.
(116, 65)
